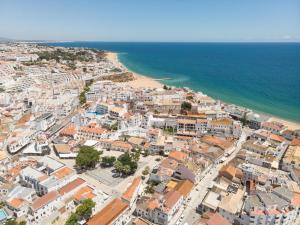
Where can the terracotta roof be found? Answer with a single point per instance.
(128, 194)
(153, 204)
(109, 213)
(121, 144)
(273, 125)
(85, 192)
(93, 130)
(15, 171)
(69, 131)
(24, 119)
(295, 141)
(277, 138)
(71, 186)
(184, 187)
(140, 221)
(171, 198)
(16, 202)
(62, 148)
(223, 122)
(169, 163)
(229, 170)
(296, 199)
(178, 156)
(136, 140)
(63, 172)
(210, 218)
(44, 200)
(213, 140)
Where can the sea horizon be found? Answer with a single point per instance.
(264, 78)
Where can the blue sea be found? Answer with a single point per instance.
(262, 76)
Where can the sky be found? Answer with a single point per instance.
(151, 20)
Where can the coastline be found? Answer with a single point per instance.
(140, 80)
(145, 81)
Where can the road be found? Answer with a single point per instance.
(205, 180)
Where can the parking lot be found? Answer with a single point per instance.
(105, 176)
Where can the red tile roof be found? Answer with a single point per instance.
(109, 213)
(184, 187)
(171, 198)
(85, 192)
(128, 194)
(210, 218)
(63, 172)
(44, 200)
(17, 202)
(71, 186)
(178, 156)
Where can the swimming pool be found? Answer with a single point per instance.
(3, 214)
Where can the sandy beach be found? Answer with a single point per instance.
(144, 81)
(140, 80)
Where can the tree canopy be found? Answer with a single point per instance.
(186, 106)
(83, 211)
(82, 98)
(87, 157)
(127, 163)
(107, 161)
(14, 222)
(72, 220)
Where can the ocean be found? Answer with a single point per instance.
(264, 77)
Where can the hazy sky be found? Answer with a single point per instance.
(151, 20)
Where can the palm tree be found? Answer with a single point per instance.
(118, 166)
(127, 169)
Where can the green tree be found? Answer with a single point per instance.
(82, 98)
(146, 171)
(114, 126)
(11, 222)
(244, 119)
(126, 169)
(146, 152)
(87, 157)
(118, 166)
(186, 106)
(85, 209)
(136, 156)
(127, 163)
(72, 220)
(149, 189)
(108, 161)
(14, 222)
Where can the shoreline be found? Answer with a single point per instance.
(140, 80)
(145, 81)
